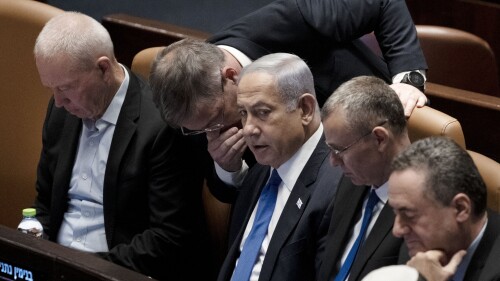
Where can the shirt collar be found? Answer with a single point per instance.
(382, 192)
(243, 59)
(292, 168)
(464, 264)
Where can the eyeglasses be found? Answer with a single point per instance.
(214, 127)
(337, 152)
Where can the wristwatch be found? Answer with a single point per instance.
(416, 79)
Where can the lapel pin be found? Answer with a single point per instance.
(299, 203)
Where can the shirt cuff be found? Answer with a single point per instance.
(232, 178)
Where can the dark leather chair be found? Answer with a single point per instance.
(459, 59)
(490, 171)
(426, 121)
(455, 58)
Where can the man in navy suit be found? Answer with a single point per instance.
(365, 128)
(186, 77)
(111, 177)
(439, 199)
(282, 127)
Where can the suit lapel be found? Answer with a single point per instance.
(381, 228)
(483, 250)
(63, 171)
(292, 213)
(286, 224)
(346, 211)
(124, 131)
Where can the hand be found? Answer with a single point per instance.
(430, 264)
(227, 148)
(410, 97)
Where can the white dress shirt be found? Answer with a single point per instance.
(83, 225)
(289, 173)
(382, 195)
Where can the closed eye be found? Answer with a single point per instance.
(263, 113)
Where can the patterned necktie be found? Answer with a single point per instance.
(346, 267)
(254, 240)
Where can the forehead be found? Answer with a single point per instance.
(407, 187)
(56, 71)
(335, 125)
(257, 85)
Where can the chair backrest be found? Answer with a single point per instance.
(426, 121)
(141, 64)
(23, 106)
(455, 58)
(490, 171)
(216, 213)
(459, 59)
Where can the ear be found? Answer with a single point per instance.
(230, 73)
(105, 66)
(307, 105)
(381, 137)
(463, 207)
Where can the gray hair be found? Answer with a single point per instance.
(366, 101)
(80, 37)
(185, 75)
(449, 170)
(292, 76)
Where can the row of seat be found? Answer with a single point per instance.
(423, 122)
(24, 102)
(455, 58)
(473, 108)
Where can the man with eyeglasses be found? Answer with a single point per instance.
(365, 128)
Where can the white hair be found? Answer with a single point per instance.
(78, 36)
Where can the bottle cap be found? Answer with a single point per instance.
(29, 212)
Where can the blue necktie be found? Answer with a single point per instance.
(254, 240)
(346, 267)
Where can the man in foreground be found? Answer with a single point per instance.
(277, 230)
(439, 200)
(110, 177)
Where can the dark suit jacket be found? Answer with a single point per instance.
(483, 251)
(149, 208)
(485, 254)
(300, 233)
(324, 32)
(491, 269)
(380, 248)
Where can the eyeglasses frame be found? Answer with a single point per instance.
(337, 152)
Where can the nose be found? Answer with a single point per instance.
(335, 160)
(60, 99)
(399, 229)
(249, 128)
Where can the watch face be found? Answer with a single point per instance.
(416, 78)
